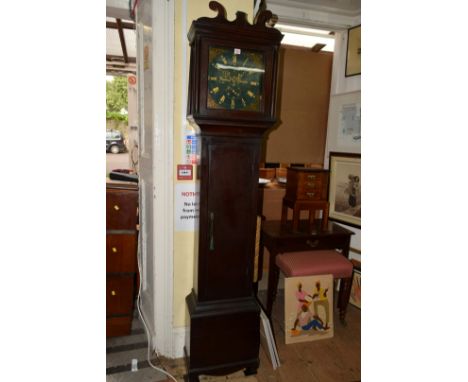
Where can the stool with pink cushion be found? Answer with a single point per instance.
(320, 262)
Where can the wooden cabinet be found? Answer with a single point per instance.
(120, 252)
(119, 294)
(121, 256)
(307, 184)
(306, 190)
(121, 207)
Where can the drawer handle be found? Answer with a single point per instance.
(114, 249)
(310, 194)
(310, 184)
(113, 293)
(312, 244)
(116, 207)
(310, 176)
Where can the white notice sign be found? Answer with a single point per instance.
(186, 206)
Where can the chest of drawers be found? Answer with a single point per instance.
(307, 184)
(306, 189)
(121, 256)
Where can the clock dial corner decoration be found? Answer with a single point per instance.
(235, 79)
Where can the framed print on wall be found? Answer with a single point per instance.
(353, 54)
(344, 122)
(345, 188)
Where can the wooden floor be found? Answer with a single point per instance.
(336, 359)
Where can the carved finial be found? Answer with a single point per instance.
(272, 22)
(263, 17)
(215, 6)
(241, 18)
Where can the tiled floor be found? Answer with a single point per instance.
(121, 350)
(337, 359)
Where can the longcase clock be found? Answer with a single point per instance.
(231, 100)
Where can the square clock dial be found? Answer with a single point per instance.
(235, 79)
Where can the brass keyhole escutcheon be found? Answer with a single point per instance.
(113, 293)
(116, 207)
(114, 249)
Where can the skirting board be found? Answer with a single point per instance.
(179, 336)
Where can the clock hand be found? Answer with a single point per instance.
(239, 68)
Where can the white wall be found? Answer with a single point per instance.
(342, 89)
(341, 84)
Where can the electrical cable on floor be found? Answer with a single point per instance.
(143, 319)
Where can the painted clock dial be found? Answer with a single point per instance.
(235, 79)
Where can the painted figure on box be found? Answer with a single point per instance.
(306, 320)
(307, 308)
(320, 299)
(301, 296)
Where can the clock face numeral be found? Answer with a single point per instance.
(235, 79)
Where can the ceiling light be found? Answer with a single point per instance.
(301, 30)
(308, 41)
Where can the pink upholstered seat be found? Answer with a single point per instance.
(311, 263)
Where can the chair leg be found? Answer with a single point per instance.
(284, 214)
(325, 213)
(296, 216)
(311, 218)
(273, 278)
(343, 297)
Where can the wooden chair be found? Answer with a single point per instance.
(320, 262)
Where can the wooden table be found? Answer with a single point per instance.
(278, 238)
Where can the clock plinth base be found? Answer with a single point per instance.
(224, 337)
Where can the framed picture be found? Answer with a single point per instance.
(308, 308)
(344, 122)
(353, 54)
(345, 188)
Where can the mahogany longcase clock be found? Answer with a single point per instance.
(231, 100)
